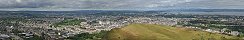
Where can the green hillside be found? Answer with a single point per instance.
(160, 32)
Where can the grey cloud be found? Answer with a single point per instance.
(222, 4)
(83, 4)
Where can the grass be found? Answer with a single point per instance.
(162, 32)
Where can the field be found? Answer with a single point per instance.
(162, 32)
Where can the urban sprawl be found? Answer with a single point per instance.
(60, 25)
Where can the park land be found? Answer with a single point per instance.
(162, 32)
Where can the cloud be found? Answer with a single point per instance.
(121, 4)
(215, 4)
(89, 4)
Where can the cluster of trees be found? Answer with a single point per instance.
(216, 25)
(35, 37)
(88, 36)
(237, 27)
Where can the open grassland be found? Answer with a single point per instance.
(162, 32)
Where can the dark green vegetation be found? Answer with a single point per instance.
(11, 21)
(69, 22)
(35, 37)
(86, 36)
(231, 25)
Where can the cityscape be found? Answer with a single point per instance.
(30, 25)
(121, 19)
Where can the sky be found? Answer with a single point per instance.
(121, 4)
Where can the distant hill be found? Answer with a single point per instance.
(163, 10)
(161, 32)
(205, 10)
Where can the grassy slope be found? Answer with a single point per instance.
(159, 32)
